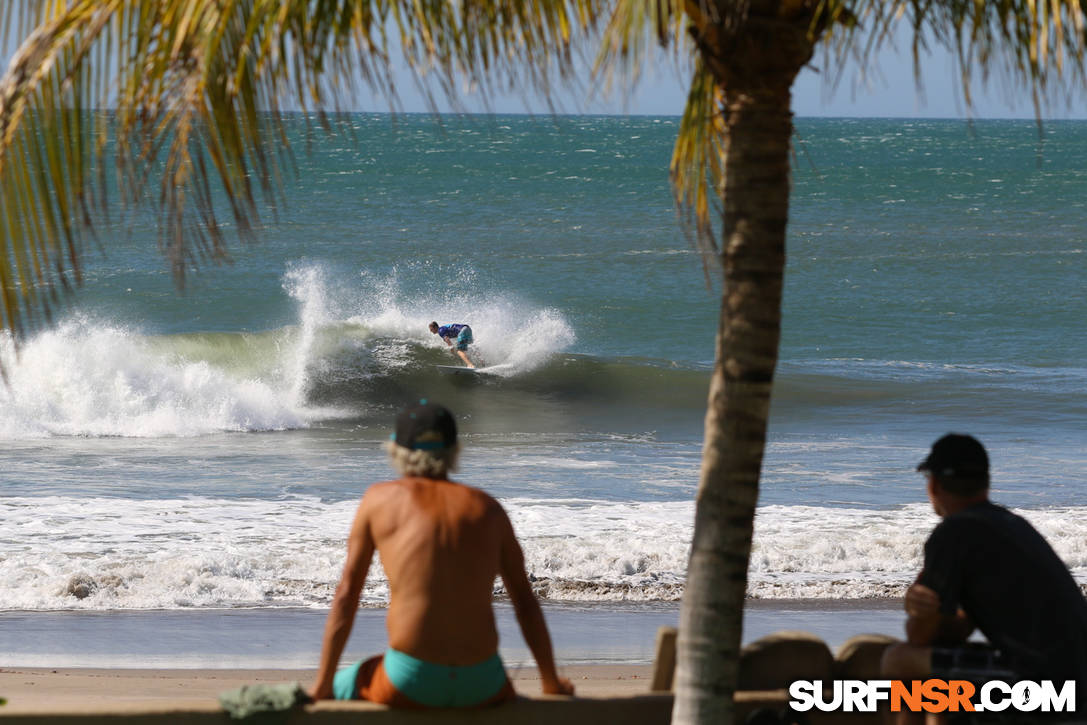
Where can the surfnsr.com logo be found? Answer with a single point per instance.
(932, 695)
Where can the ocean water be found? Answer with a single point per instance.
(190, 455)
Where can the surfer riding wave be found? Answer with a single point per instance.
(457, 336)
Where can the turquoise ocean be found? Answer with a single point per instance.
(178, 472)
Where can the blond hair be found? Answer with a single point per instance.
(426, 464)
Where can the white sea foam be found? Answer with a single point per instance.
(88, 378)
(305, 284)
(167, 554)
(105, 553)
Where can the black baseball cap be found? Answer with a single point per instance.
(425, 426)
(957, 455)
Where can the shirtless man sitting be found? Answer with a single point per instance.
(441, 544)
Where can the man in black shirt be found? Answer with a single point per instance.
(988, 568)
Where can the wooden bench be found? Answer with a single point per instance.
(769, 665)
(648, 709)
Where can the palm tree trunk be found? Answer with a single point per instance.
(756, 200)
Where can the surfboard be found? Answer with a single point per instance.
(458, 370)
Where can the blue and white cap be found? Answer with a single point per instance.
(425, 426)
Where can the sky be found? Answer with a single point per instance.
(886, 89)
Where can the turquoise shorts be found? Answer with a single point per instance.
(430, 684)
(464, 339)
(343, 682)
(445, 685)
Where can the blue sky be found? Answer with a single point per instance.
(888, 89)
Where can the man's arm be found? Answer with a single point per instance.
(932, 603)
(341, 616)
(926, 624)
(529, 614)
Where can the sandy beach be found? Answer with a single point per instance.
(31, 689)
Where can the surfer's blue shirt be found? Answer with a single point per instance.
(462, 333)
(450, 331)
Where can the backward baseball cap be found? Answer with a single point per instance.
(425, 426)
(957, 455)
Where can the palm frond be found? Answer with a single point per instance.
(697, 168)
(1034, 45)
(634, 30)
(42, 161)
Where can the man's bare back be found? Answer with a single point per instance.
(441, 544)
